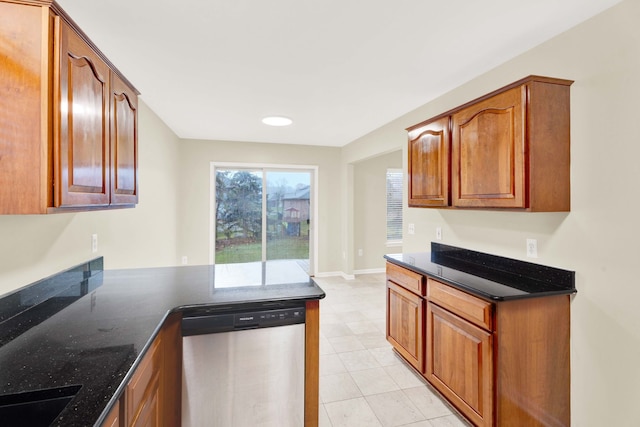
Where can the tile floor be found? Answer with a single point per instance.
(362, 381)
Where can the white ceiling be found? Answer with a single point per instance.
(211, 69)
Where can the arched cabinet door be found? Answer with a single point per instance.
(81, 134)
(124, 143)
(429, 164)
(488, 154)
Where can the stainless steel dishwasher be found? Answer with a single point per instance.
(244, 368)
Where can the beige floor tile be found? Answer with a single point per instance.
(427, 402)
(385, 355)
(351, 316)
(404, 376)
(362, 327)
(358, 360)
(338, 387)
(374, 381)
(448, 421)
(331, 330)
(323, 417)
(325, 346)
(346, 343)
(373, 340)
(394, 409)
(331, 364)
(352, 413)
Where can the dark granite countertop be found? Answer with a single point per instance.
(488, 276)
(90, 327)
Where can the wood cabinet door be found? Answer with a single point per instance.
(113, 418)
(124, 143)
(460, 363)
(405, 324)
(81, 133)
(429, 164)
(150, 414)
(488, 152)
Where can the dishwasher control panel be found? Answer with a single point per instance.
(227, 322)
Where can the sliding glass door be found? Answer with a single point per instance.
(262, 224)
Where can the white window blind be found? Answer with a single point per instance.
(394, 205)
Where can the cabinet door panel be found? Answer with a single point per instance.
(488, 153)
(429, 164)
(405, 320)
(460, 363)
(82, 140)
(124, 143)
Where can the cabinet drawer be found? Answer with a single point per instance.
(409, 280)
(144, 376)
(473, 309)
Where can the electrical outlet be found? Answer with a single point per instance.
(412, 228)
(94, 243)
(359, 252)
(185, 260)
(532, 248)
(439, 233)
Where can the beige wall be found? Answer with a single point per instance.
(36, 246)
(598, 237)
(194, 199)
(370, 214)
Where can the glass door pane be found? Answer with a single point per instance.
(288, 224)
(238, 213)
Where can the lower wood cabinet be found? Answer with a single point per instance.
(499, 363)
(113, 418)
(153, 395)
(460, 363)
(405, 320)
(143, 390)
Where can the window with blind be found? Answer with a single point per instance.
(394, 206)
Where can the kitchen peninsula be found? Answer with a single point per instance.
(90, 336)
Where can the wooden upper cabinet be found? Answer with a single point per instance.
(82, 150)
(429, 164)
(488, 153)
(68, 118)
(124, 143)
(510, 149)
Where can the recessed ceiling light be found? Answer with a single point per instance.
(277, 121)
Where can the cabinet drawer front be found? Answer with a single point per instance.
(473, 309)
(406, 278)
(143, 377)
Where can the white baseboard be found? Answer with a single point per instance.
(370, 271)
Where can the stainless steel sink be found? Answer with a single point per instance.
(35, 408)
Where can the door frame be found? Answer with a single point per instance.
(265, 167)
